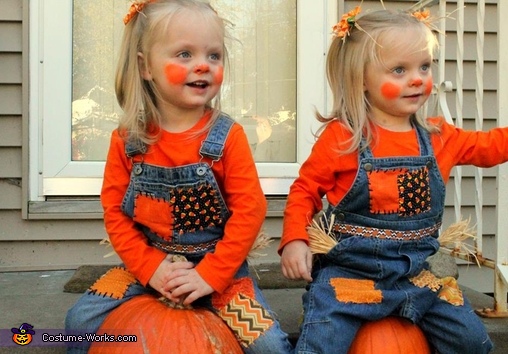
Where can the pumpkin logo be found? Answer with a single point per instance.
(23, 334)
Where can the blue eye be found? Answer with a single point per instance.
(184, 55)
(399, 70)
(215, 56)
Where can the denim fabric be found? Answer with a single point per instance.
(154, 184)
(87, 315)
(366, 276)
(198, 216)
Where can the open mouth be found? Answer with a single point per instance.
(199, 84)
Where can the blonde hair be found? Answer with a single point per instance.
(346, 62)
(137, 96)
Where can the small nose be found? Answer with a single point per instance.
(416, 82)
(201, 69)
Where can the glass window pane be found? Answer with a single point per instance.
(97, 31)
(259, 92)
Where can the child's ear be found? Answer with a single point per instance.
(144, 71)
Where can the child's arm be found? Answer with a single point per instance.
(462, 147)
(239, 182)
(141, 259)
(318, 176)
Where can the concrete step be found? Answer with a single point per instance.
(38, 298)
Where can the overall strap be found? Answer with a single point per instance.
(134, 147)
(213, 145)
(424, 141)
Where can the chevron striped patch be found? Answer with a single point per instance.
(247, 318)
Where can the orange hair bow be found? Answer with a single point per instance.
(136, 7)
(422, 15)
(343, 27)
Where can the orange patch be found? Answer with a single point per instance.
(426, 279)
(357, 291)
(451, 292)
(157, 214)
(384, 191)
(114, 283)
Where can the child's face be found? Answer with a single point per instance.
(400, 82)
(186, 64)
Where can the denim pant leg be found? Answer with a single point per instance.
(87, 315)
(245, 310)
(324, 330)
(274, 340)
(455, 329)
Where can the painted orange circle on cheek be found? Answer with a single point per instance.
(219, 76)
(390, 90)
(428, 87)
(175, 74)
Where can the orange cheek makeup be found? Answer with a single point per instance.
(175, 74)
(428, 87)
(219, 76)
(390, 91)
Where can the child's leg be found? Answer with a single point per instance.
(455, 329)
(324, 329)
(243, 307)
(108, 292)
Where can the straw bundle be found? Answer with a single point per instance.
(105, 241)
(455, 237)
(321, 239)
(262, 241)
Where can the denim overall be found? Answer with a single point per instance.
(378, 267)
(189, 204)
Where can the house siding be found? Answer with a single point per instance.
(47, 240)
(31, 244)
(10, 105)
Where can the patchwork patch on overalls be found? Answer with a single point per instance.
(414, 192)
(399, 191)
(195, 208)
(358, 291)
(448, 288)
(426, 279)
(246, 317)
(154, 212)
(114, 283)
(188, 209)
(451, 292)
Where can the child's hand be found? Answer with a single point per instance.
(187, 284)
(161, 276)
(297, 261)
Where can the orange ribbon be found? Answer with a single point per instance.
(135, 8)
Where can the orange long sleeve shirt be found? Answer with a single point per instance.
(329, 172)
(239, 184)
